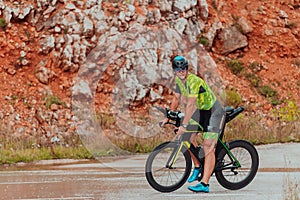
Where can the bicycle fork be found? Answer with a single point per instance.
(174, 155)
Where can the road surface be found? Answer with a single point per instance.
(123, 178)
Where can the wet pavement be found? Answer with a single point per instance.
(123, 178)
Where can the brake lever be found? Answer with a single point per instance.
(160, 124)
(176, 130)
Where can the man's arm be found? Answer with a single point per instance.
(174, 105)
(175, 101)
(189, 109)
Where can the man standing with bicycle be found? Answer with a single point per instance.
(201, 106)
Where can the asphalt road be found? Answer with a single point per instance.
(123, 178)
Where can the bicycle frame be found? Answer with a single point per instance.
(220, 145)
(170, 163)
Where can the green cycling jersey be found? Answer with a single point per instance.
(196, 87)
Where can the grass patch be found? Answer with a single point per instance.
(288, 113)
(2, 23)
(51, 99)
(284, 127)
(203, 40)
(106, 120)
(269, 93)
(236, 66)
(14, 150)
(236, 23)
(233, 98)
(253, 79)
(255, 66)
(21, 154)
(256, 130)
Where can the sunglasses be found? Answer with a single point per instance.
(180, 69)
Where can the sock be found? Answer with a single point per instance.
(204, 184)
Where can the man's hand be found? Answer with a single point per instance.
(163, 122)
(181, 130)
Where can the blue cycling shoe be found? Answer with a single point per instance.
(199, 188)
(195, 174)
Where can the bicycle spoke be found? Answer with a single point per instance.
(238, 174)
(164, 175)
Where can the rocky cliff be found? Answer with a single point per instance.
(61, 60)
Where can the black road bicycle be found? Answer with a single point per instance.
(169, 165)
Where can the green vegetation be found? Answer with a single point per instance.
(254, 79)
(105, 120)
(269, 93)
(289, 113)
(237, 25)
(13, 150)
(255, 66)
(290, 25)
(260, 131)
(203, 40)
(233, 98)
(2, 23)
(51, 99)
(236, 66)
(284, 127)
(10, 156)
(139, 145)
(128, 1)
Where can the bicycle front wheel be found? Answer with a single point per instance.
(167, 168)
(232, 176)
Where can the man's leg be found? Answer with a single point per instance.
(210, 159)
(194, 142)
(209, 142)
(197, 170)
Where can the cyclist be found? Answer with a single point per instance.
(200, 105)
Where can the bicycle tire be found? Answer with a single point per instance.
(247, 156)
(162, 178)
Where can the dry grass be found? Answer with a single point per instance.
(291, 189)
(14, 150)
(249, 128)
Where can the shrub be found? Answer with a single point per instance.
(269, 93)
(51, 99)
(203, 40)
(254, 80)
(233, 98)
(255, 66)
(2, 23)
(289, 113)
(106, 120)
(235, 65)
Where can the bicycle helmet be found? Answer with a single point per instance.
(179, 63)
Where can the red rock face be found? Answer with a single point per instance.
(273, 41)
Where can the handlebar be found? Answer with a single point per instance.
(177, 116)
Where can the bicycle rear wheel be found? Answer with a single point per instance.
(166, 178)
(232, 177)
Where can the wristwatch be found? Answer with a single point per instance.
(184, 126)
